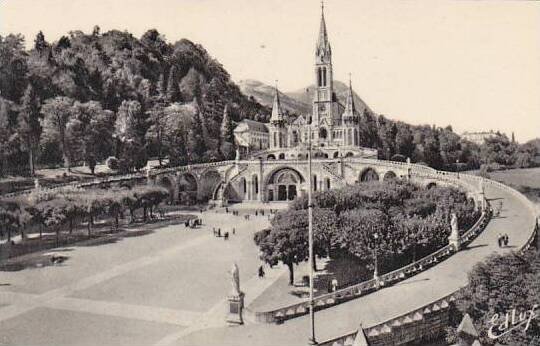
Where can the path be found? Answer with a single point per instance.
(434, 283)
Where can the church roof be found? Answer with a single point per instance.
(251, 125)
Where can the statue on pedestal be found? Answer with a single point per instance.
(235, 280)
(237, 157)
(454, 239)
(236, 298)
(454, 222)
(36, 184)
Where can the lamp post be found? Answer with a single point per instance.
(457, 167)
(311, 340)
(375, 261)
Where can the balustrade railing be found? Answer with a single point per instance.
(355, 291)
(385, 327)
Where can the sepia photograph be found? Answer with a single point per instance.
(269, 173)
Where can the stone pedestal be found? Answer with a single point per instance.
(236, 305)
(455, 241)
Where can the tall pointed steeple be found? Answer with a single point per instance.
(349, 103)
(323, 45)
(277, 114)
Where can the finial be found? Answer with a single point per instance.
(322, 6)
(350, 83)
(276, 81)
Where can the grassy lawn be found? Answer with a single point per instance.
(526, 181)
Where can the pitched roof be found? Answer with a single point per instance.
(254, 125)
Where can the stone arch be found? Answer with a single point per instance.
(336, 154)
(368, 174)
(431, 185)
(187, 188)
(281, 156)
(349, 154)
(168, 183)
(209, 180)
(271, 157)
(283, 184)
(390, 175)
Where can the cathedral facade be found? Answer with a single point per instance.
(332, 125)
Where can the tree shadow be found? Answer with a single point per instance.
(473, 247)
(33, 262)
(346, 269)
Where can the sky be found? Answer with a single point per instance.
(474, 65)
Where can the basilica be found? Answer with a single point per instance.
(332, 125)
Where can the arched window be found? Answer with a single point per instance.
(275, 139)
(314, 183)
(319, 77)
(324, 76)
(328, 183)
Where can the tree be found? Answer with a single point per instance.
(90, 132)
(156, 131)
(173, 90)
(39, 43)
(197, 144)
(227, 127)
(496, 286)
(57, 113)
(288, 245)
(130, 129)
(29, 127)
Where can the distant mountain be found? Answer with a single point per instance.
(264, 94)
(295, 101)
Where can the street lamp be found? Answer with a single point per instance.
(375, 261)
(457, 167)
(311, 340)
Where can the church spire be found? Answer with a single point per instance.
(277, 115)
(323, 46)
(349, 104)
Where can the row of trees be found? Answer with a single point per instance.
(90, 96)
(397, 221)
(67, 208)
(441, 148)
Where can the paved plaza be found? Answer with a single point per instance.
(139, 289)
(169, 287)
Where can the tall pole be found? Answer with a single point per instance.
(312, 340)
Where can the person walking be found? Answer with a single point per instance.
(505, 238)
(261, 272)
(499, 240)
